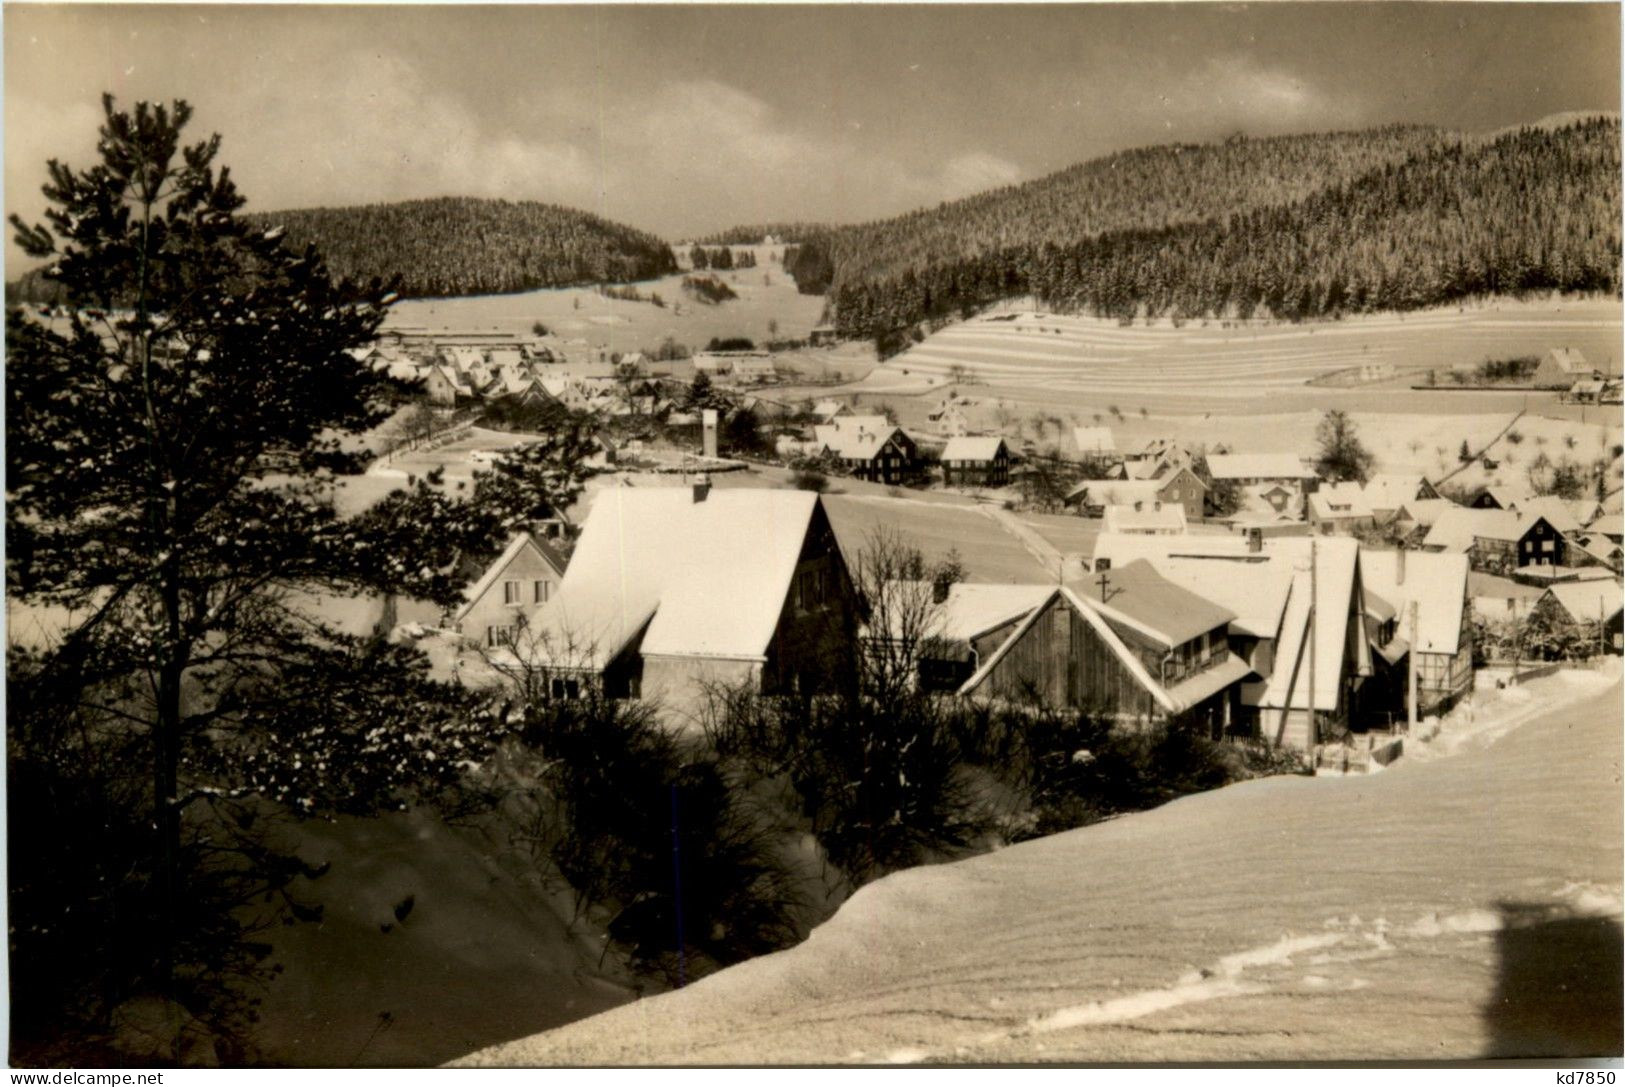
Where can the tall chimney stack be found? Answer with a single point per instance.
(708, 432)
(702, 487)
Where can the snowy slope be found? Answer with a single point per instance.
(1455, 907)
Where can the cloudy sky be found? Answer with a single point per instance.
(686, 118)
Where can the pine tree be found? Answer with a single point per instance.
(172, 445)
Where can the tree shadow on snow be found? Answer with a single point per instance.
(1559, 993)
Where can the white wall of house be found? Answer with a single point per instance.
(524, 586)
(677, 686)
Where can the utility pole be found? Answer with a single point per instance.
(1411, 673)
(1313, 729)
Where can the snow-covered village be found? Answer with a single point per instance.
(876, 585)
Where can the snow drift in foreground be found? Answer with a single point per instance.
(1453, 907)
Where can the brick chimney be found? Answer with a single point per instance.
(1399, 567)
(1255, 540)
(702, 488)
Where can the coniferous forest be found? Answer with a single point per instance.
(1297, 227)
(461, 245)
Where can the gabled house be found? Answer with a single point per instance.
(826, 411)
(1499, 496)
(1421, 513)
(1182, 488)
(1267, 583)
(512, 592)
(1561, 367)
(868, 446)
(1590, 609)
(951, 421)
(1386, 492)
(1095, 442)
(672, 591)
(1129, 644)
(462, 358)
(444, 385)
(1499, 541)
(1250, 469)
(976, 462)
(1339, 508)
(1272, 501)
(1442, 639)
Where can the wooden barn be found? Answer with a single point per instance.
(1130, 644)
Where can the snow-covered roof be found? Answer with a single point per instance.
(1115, 492)
(522, 541)
(1146, 517)
(972, 449)
(1608, 524)
(454, 379)
(1257, 466)
(1222, 569)
(1569, 360)
(828, 409)
(1423, 511)
(1588, 601)
(1391, 490)
(1339, 502)
(1565, 515)
(1457, 527)
(707, 577)
(1180, 697)
(1336, 575)
(1093, 439)
(970, 609)
(1507, 496)
(464, 357)
(1436, 581)
(855, 437)
(1138, 596)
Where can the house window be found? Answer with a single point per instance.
(544, 589)
(500, 635)
(510, 592)
(566, 688)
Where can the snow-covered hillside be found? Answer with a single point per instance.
(1452, 907)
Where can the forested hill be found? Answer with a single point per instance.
(460, 245)
(1142, 189)
(1400, 219)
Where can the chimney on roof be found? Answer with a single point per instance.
(939, 589)
(1255, 540)
(702, 488)
(1399, 566)
(1138, 504)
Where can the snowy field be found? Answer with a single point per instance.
(581, 314)
(1457, 906)
(1088, 363)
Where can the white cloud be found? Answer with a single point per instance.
(975, 172)
(370, 127)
